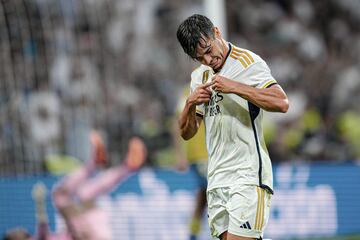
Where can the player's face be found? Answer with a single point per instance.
(212, 51)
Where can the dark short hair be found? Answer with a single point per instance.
(191, 30)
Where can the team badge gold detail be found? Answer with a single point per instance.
(205, 76)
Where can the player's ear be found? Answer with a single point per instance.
(217, 33)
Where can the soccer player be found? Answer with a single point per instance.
(193, 152)
(75, 195)
(230, 90)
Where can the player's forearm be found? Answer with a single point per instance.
(179, 151)
(271, 99)
(187, 122)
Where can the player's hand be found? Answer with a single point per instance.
(223, 84)
(202, 94)
(136, 155)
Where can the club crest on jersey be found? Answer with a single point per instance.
(211, 108)
(205, 76)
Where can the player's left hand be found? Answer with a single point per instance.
(223, 84)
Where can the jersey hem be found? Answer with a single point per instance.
(199, 114)
(255, 183)
(266, 187)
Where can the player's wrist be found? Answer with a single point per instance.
(190, 104)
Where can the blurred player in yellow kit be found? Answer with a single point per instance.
(194, 154)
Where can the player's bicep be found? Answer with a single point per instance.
(277, 89)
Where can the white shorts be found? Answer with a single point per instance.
(242, 210)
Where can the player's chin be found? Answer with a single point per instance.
(217, 66)
(216, 69)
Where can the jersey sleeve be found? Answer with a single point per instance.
(249, 68)
(182, 96)
(258, 75)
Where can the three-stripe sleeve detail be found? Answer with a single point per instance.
(242, 56)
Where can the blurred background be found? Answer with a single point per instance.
(68, 67)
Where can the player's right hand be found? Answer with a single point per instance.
(201, 94)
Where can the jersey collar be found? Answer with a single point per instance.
(226, 57)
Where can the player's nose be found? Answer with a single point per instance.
(207, 59)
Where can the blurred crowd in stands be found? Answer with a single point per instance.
(71, 66)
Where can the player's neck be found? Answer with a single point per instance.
(226, 49)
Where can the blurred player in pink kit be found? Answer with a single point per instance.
(39, 193)
(75, 195)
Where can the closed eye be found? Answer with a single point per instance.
(208, 50)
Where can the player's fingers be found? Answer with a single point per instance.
(205, 91)
(217, 79)
(204, 96)
(203, 100)
(215, 86)
(208, 84)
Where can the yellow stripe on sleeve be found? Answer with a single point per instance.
(243, 56)
(238, 58)
(245, 52)
(268, 83)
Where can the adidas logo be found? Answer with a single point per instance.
(246, 225)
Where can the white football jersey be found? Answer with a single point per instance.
(234, 135)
